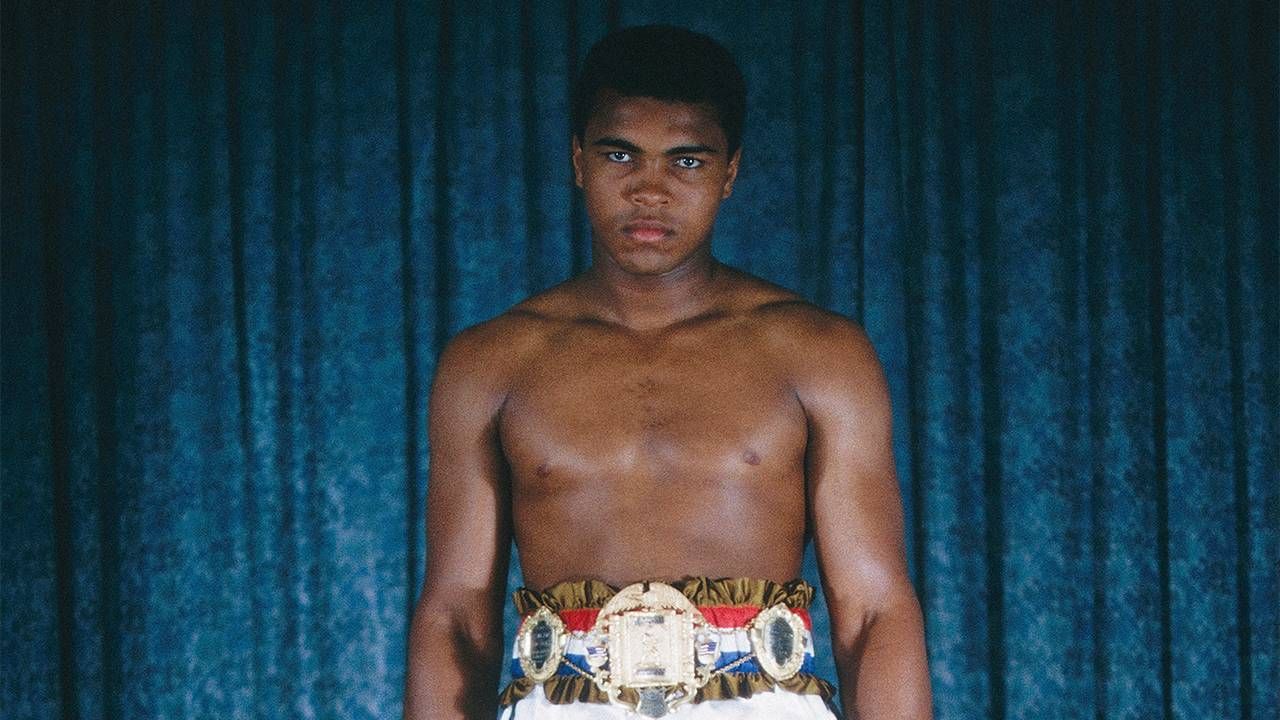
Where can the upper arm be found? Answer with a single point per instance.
(468, 525)
(455, 643)
(854, 502)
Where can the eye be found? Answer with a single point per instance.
(688, 163)
(618, 156)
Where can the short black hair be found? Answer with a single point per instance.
(663, 62)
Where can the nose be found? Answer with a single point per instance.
(649, 189)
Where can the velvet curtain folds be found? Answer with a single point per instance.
(235, 236)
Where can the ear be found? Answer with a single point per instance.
(732, 173)
(576, 159)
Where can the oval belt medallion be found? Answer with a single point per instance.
(778, 642)
(540, 644)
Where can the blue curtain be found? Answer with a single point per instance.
(235, 238)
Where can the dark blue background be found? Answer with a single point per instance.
(235, 238)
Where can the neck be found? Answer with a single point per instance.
(650, 302)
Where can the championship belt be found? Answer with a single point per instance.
(651, 643)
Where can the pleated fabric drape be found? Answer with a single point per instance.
(235, 236)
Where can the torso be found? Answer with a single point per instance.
(655, 455)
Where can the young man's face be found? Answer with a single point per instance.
(653, 174)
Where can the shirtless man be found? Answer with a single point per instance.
(662, 419)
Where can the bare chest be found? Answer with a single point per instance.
(593, 408)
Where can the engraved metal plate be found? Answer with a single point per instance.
(652, 648)
(778, 641)
(540, 644)
(651, 629)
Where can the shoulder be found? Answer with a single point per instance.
(483, 358)
(814, 341)
(827, 358)
(820, 342)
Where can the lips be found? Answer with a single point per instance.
(647, 230)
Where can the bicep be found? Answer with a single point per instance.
(876, 625)
(455, 644)
(854, 501)
(467, 519)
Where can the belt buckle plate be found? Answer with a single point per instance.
(653, 647)
(651, 629)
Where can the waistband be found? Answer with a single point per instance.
(729, 605)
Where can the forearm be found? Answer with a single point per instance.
(453, 667)
(883, 665)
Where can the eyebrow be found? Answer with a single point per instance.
(632, 147)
